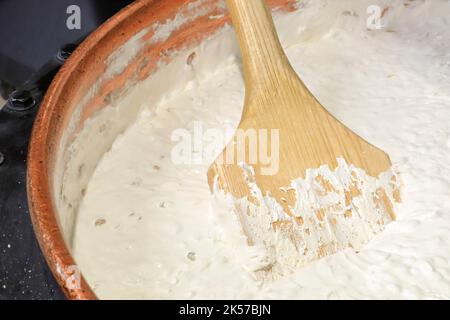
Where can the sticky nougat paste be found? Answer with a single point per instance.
(147, 227)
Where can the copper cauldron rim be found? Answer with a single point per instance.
(42, 211)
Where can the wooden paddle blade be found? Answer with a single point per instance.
(317, 213)
(302, 184)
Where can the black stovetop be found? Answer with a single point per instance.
(23, 271)
(34, 44)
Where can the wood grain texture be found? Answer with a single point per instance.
(276, 98)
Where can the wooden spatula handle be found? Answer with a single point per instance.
(265, 62)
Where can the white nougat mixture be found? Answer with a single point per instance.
(147, 229)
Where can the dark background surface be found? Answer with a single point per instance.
(32, 35)
(32, 31)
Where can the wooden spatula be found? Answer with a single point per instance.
(332, 190)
